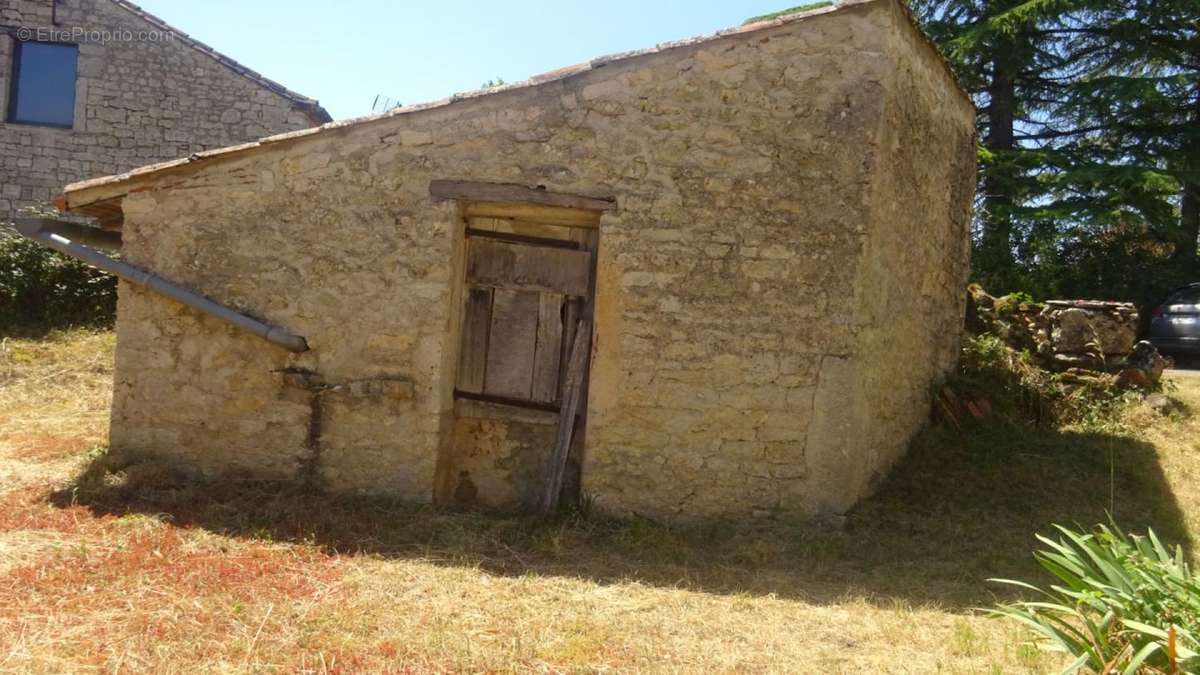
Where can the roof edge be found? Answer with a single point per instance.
(77, 196)
(911, 17)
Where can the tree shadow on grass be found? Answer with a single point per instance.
(960, 508)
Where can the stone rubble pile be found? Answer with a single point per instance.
(1079, 338)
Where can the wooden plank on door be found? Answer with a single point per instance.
(502, 264)
(512, 344)
(472, 355)
(571, 314)
(534, 213)
(549, 348)
(556, 465)
(528, 229)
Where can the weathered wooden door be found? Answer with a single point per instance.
(524, 296)
(522, 366)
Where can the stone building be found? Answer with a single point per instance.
(94, 87)
(742, 256)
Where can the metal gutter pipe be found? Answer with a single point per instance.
(49, 233)
(80, 234)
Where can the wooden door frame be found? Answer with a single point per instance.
(536, 206)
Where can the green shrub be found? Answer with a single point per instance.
(1124, 604)
(1007, 305)
(40, 288)
(1014, 385)
(1019, 390)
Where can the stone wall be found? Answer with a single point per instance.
(140, 100)
(753, 259)
(1081, 339)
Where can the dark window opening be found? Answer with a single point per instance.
(43, 84)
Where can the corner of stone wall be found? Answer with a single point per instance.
(908, 295)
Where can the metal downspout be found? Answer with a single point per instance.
(54, 234)
(78, 234)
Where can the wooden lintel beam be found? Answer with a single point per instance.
(511, 193)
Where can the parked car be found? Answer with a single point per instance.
(1175, 324)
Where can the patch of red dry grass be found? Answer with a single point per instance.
(160, 557)
(130, 591)
(29, 508)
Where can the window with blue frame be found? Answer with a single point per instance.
(43, 84)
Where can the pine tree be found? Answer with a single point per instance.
(1130, 121)
(1093, 189)
(1008, 66)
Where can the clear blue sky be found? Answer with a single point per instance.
(345, 52)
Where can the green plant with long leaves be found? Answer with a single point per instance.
(1124, 603)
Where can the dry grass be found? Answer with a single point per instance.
(1177, 447)
(138, 570)
(54, 398)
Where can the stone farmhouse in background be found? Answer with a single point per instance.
(714, 278)
(94, 87)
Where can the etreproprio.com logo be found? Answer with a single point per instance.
(79, 34)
